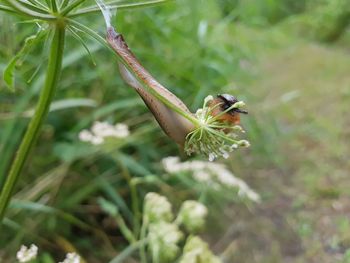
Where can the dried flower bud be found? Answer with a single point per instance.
(192, 215)
(157, 208)
(196, 250)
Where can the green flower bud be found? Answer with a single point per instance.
(192, 215)
(197, 251)
(163, 239)
(157, 208)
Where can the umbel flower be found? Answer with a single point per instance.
(157, 208)
(163, 240)
(218, 176)
(214, 136)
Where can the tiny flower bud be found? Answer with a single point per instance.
(243, 143)
(207, 99)
(192, 215)
(239, 104)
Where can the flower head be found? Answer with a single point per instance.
(192, 215)
(212, 136)
(196, 250)
(157, 208)
(214, 174)
(100, 131)
(163, 239)
(26, 254)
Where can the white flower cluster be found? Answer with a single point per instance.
(102, 130)
(208, 172)
(26, 254)
(164, 232)
(196, 250)
(157, 208)
(163, 240)
(71, 258)
(192, 215)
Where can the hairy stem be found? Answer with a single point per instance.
(47, 93)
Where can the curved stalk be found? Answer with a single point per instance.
(47, 93)
(171, 113)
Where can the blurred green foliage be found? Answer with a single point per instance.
(288, 60)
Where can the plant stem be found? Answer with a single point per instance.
(47, 93)
(28, 10)
(70, 7)
(119, 6)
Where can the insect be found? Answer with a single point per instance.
(223, 102)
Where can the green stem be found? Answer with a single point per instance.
(7, 9)
(96, 9)
(28, 10)
(143, 234)
(54, 6)
(135, 207)
(70, 7)
(47, 93)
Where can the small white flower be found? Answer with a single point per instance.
(71, 258)
(122, 130)
(26, 254)
(210, 173)
(211, 157)
(85, 136)
(102, 130)
(170, 164)
(96, 140)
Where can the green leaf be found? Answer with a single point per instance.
(108, 207)
(9, 72)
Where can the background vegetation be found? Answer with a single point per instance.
(288, 60)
